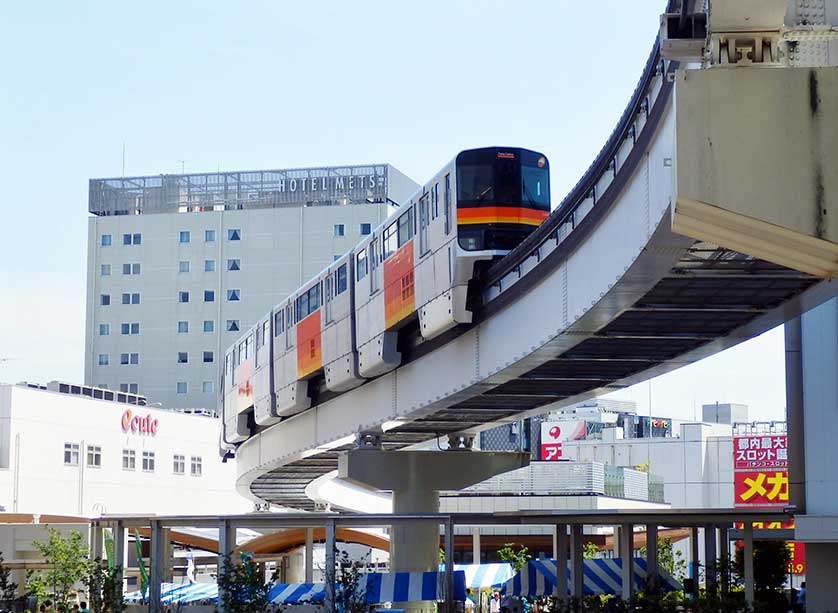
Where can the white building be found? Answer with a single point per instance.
(180, 265)
(65, 454)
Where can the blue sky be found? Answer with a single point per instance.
(271, 84)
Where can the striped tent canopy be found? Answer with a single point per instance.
(485, 575)
(600, 576)
(179, 592)
(378, 587)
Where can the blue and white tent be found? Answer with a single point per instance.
(600, 576)
(179, 592)
(378, 588)
(485, 575)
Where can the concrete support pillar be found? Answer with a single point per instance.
(166, 558)
(748, 562)
(560, 555)
(615, 542)
(309, 554)
(331, 552)
(576, 561)
(795, 426)
(449, 564)
(627, 556)
(119, 559)
(710, 556)
(97, 538)
(475, 545)
(652, 556)
(155, 565)
(226, 545)
(415, 478)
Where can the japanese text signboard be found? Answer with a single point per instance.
(757, 452)
(554, 433)
(760, 471)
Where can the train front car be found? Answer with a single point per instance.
(503, 194)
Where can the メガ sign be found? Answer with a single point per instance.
(761, 488)
(135, 423)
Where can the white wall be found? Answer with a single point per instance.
(38, 481)
(697, 467)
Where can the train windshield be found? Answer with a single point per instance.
(497, 177)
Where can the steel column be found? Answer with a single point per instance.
(724, 554)
(309, 561)
(710, 557)
(449, 565)
(627, 556)
(330, 604)
(576, 561)
(695, 562)
(96, 542)
(652, 556)
(560, 555)
(119, 561)
(475, 545)
(155, 563)
(226, 545)
(748, 562)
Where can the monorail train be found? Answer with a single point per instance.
(412, 272)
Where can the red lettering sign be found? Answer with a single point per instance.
(134, 423)
(758, 452)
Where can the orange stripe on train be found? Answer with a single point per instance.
(399, 295)
(309, 357)
(500, 214)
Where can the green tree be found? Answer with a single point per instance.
(8, 588)
(516, 558)
(590, 550)
(670, 559)
(242, 587)
(350, 596)
(101, 583)
(771, 560)
(69, 557)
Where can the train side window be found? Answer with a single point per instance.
(424, 220)
(435, 201)
(361, 264)
(405, 227)
(266, 331)
(341, 279)
(390, 240)
(373, 263)
(278, 323)
(447, 204)
(314, 298)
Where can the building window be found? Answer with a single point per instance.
(129, 358)
(130, 328)
(209, 265)
(206, 387)
(131, 269)
(126, 239)
(183, 266)
(209, 236)
(182, 327)
(148, 461)
(182, 388)
(233, 295)
(94, 456)
(365, 229)
(104, 329)
(196, 466)
(182, 358)
(183, 297)
(234, 264)
(129, 388)
(209, 295)
(106, 240)
(209, 325)
(130, 299)
(179, 464)
(232, 325)
(208, 357)
(132, 239)
(105, 299)
(105, 270)
(234, 234)
(129, 459)
(339, 230)
(71, 454)
(104, 359)
(184, 236)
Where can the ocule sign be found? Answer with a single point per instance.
(135, 423)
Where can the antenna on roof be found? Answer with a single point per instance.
(123, 159)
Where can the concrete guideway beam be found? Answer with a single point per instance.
(756, 153)
(415, 478)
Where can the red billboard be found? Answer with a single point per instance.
(761, 488)
(553, 433)
(757, 452)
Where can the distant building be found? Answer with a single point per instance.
(180, 265)
(724, 413)
(70, 453)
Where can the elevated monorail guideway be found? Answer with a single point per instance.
(707, 218)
